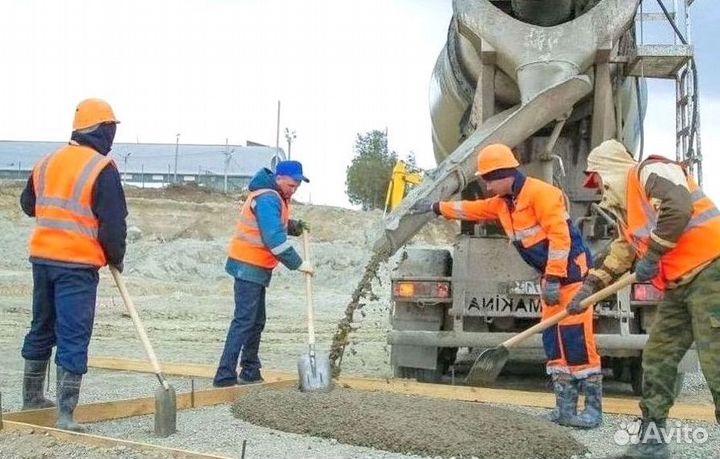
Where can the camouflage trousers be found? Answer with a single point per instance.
(688, 313)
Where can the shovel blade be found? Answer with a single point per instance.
(487, 366)
(165, 412)
(314, 373)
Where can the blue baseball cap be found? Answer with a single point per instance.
(291, 169)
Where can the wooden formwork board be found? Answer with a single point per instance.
(98, 441)
(614, 405)
(117, 409)
(178, 369)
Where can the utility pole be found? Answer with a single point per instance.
(277, 127)
(290, 136)
(177, 145)
(277, 134)
(228, 156)
(124, 172)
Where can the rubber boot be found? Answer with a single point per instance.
(566, 396)
(33, 385)
(68, 394)
(652, 444)
(591, 416)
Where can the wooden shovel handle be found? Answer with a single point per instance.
(624, 281)
(138, 326)
(308, 290)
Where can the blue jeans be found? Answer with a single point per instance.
(63, 315)
(243, 338)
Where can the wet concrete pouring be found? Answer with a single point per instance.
(363, 291)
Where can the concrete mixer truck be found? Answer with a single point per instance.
(551, 79)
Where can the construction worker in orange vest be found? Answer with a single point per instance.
(76, 197)
(260, 242)
(671, 231)
(535, 218)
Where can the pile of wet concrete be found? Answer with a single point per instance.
(408, 424)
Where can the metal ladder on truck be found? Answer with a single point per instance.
(664, 50)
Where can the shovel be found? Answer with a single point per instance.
(313, 370)
(165, 403)
(490, 362)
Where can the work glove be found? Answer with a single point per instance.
(119, 266)
(648, 267)
(423, 206)
(591, 285)
(306, 268)
(551, 292)
(297, 227)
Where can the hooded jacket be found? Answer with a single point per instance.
(268, 212)
(108, 204)
(666, 187)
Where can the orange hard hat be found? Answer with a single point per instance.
(495, 157)
(90, 112)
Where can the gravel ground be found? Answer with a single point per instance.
(217, 431)
(15, 445)
(609, 439)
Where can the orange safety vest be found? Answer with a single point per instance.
(699, 243)
(247, 245)
(523, 224)
(66, 228)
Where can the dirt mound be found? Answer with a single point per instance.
(188, 192)
(408, 424)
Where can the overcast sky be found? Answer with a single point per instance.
(212, 70)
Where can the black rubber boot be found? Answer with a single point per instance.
(33, 385)
(652, 444)
(68, 394)
(591, 417)
(566, 396)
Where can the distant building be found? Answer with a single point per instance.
(153, 164)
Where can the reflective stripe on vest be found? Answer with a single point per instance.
(247, 244)
(72, 205)
(698, 244)
(695, 220)
(66, 228)
(527, 233)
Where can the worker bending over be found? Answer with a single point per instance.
(535, 218)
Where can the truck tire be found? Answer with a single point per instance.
(422, 375)
(446, 358)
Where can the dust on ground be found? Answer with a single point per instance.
(408, 424)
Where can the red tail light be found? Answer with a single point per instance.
(443, 290)
(646, 292)
(421, 289)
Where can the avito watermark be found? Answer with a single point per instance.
(679, 433)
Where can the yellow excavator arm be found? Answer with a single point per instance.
(400, 179)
